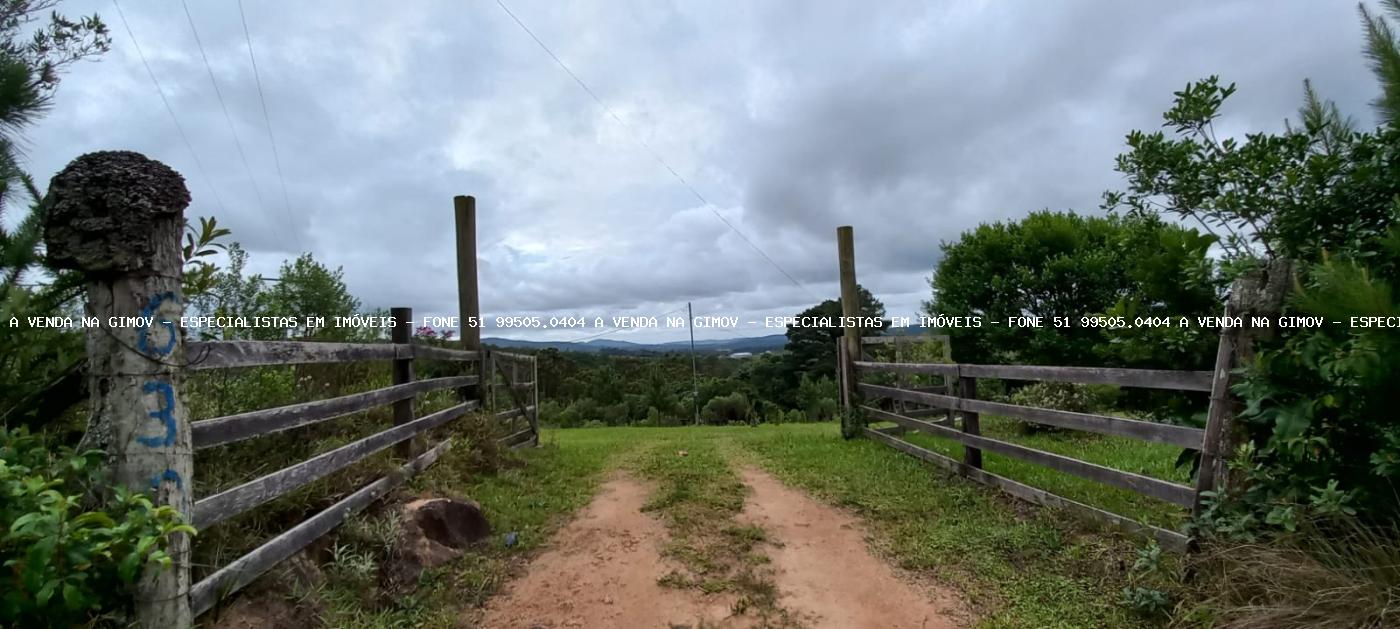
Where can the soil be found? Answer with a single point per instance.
(825, 573)
(602, 571)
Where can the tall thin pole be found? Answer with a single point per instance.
(850, 334)
(694, 371)
(468, 298)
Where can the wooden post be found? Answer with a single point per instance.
(899, 379)
(972, 457)
(117, 216)
(535, 397)
(488, 382)
(511, 382)
(1217, 418)
(850, 307)
(468, 296)
(403, 374)
(841, 372)
(1258, 293)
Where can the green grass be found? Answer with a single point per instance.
(1017, 566)
(697, 497)
(1015, 570)
(1131, 455)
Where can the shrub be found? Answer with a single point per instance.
(71, 562)
(724, 409)
(1060, 396)
(1142, 594)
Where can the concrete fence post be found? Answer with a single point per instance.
(117, 217)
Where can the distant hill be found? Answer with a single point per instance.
(756, 345)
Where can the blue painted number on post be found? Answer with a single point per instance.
(143, 337)
(165, 409)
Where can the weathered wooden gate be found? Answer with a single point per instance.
(963, 408)
(118, 218)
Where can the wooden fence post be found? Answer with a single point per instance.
(403, 374)
(117, 217)
(1217, 418)
(899, 379)
(488, 381)
(535, 397)
(967, 389)
(468, 296)
(850, 307)
(1258, 293)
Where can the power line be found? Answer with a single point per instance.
(276, 158)
(615, 330)
(170, 110)
(233, 130)
(655, 155)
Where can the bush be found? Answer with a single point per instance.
(1060, 396)
(1323, 437)
(71, 562)
(724, 409)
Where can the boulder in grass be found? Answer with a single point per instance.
(434, 532)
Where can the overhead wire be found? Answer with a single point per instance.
(614, 330)
(654, 154)
(223, 105)
(170, 110)
(267, 120)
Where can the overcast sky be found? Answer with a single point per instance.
(911, 121)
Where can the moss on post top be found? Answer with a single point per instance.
(113, 212)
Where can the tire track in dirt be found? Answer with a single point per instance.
(825, 573)
(602, 571)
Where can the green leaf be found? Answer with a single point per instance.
(1292, 420)
(72, 597)
(46, 592)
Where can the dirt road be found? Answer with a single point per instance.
(602, 571)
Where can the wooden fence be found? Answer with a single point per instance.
(519, 421)
(118, 218)
(957, 401)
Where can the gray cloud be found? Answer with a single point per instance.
(913, 123)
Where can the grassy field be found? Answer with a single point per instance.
(1130, 455)
(1018, 566)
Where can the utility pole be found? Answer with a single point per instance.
(694, 371)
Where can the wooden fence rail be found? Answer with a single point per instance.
(968, 406)
(957, 398)
(212, 510)
(131, 248)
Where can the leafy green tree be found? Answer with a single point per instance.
(1383, 51)
(1294, 195)
(812, 349)
(1319, 434)
(33, 54)
(307, 288)
(817, 398)
(36, 44)
(1061, 267)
